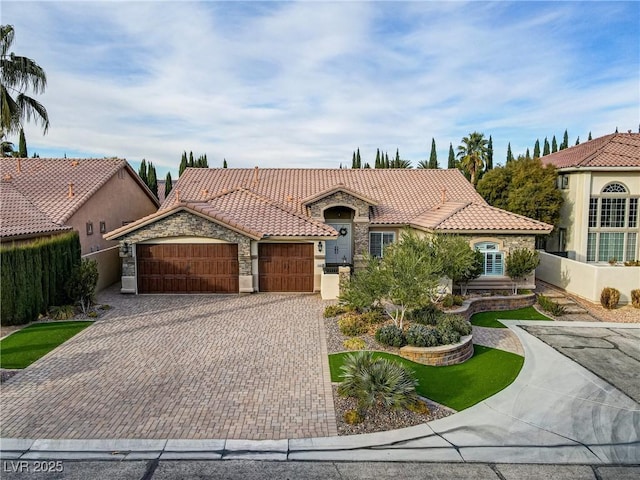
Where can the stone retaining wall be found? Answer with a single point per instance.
(442, 355)
(488, 304)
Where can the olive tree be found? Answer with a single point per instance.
(460, 262)
(519, 263)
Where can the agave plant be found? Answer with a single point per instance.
(377, 382)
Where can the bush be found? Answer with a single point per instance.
(420, 407)
(354, 343)
(427, 315)
(452, 300)
(423, 336)
(609, 297)
(457, 323)
(448, 336)
(353, 417)
(334, 310)
(377, 382)
(373, 317)
(352, 324)
(390, 335)
(65, 312)
(635, 298)
(548, 305)
(81, 287)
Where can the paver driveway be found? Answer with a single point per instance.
(180, 366)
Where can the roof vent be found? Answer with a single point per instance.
(75, 163)
(255, 175)
(19, 164)
(7, 178)
(70, 194)
(444, 195)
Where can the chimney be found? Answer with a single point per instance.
(444, 195)
(19, 166)
(255, 175)
(70, 194)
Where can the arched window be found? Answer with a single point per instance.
(493, 262)
(614, 188)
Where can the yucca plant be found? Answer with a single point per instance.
(377, 382)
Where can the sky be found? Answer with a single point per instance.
(303, 84)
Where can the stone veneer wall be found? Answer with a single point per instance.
(488, 304)
(442, 355)
(187, 224)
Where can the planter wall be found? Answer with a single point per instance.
(488, 304)
(442, 355)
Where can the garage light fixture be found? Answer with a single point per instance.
(320, 247)
(125, 248)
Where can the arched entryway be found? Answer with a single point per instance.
(340, 250)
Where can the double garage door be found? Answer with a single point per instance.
(213, 268)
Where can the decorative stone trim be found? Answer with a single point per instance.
(442, 355)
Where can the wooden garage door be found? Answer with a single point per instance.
(285, 267)
(187, 268)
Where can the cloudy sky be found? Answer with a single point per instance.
(303, 84)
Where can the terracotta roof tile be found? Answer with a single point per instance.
(615, 150)
(480, 216)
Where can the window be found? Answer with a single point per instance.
(591, 247)
(614, 188)
(612, 212)
(103, 227)
(611, 245)
(631, 246)
(89, 228)
(593, 212)
(564, 182)
(378, 241)
(633, 212)
(493, 258)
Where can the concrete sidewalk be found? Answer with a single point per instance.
(556, 412)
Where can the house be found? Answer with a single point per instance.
(248, 230)
(41, 197)
(599, 222)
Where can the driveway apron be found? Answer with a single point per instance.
(178, 366)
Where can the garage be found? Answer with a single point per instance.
(285, 267)
(187, 268)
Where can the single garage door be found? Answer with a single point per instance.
(285, 267)
(188, 268)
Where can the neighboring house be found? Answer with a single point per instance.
(599, 222)
(41, 197)
(246, 230)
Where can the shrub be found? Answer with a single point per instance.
(457, 323)
(353, 417)
(334, 310)
(390, 335)
(65, 312)
(373, 317)
(427, 315)
(105, 307)
(448, 336)
(548, 305)
(420, 407)
(519, 263)
(377, 382)
(92, 314)
(452, 300)
(423, 336)
(81, 287)
(354, 343)
(635, 298)
(352, 324)
(609, 297)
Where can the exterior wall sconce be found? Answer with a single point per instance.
(125, 249)
(320, 247)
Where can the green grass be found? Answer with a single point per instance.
(22, 348)
(490, 319)
(456, 386)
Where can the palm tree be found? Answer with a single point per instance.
(17, 74)
(473, 154)
(423, 164)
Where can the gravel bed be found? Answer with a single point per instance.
(335, 339)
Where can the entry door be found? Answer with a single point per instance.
(339, 250)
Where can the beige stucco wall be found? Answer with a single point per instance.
(109, 266)
(587, 280)
(119, 200)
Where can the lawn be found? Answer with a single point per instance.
(456, 386)
(22, 348)
(490, 319)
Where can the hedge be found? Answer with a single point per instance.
(33, 276)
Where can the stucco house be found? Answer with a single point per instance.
(40, 197)
(250, 230)
(600, 221)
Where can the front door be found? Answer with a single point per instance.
(339, 250)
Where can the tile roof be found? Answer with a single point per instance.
(483, 217)
(19, 217)
(614, 150)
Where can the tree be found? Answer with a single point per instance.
(565, 140)
(378, 164)
(460, 262)
(22, 148)
(473, 154)
(527, 155)
(81, 287)
(353, 160)
(358, 159)
(554, 145)
(191, 162)
(423, 164)
(168, 185)
(183, 163)
(590, 137)
(224, 163)
(536, 149)
(152, 180)
(387, 163)
(451, 161)
(143, 172)
(546, 149)
(578, 140)
(433, 157)
(489, 165)
(520, 263)
(509, 153)
(17, 75)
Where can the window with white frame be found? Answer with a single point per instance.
(613, 225)
(493, 258)
(378, 241)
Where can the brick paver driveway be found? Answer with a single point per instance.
(178, 366)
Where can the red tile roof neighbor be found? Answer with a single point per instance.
(615, 150)
(275, 202)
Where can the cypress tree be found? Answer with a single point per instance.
(546, 149)
(377, 164)
(509, 153)
(536, 149)
(358, 159)
(205, 162)
(191, 163)
(224, 163)
(590, 138)
(353, 160)
(578, 140)
(565, 140)
(153, 180)
(366, 165)
(489, 165)
(554, 145)
(387, 164)
(433, 157)
(168, 185)
(143, 172)
(183, 163)
(22, 148)
(527, 155)
(451, 163)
